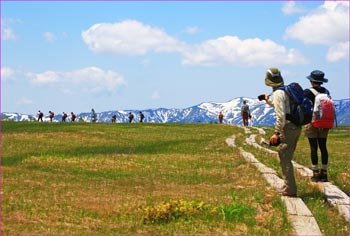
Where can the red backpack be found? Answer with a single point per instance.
(324, 111)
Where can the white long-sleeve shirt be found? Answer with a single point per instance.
(281, 104)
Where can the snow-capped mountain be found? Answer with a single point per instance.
(207, 112)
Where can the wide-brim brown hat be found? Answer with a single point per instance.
(273, 78)
(317, 76)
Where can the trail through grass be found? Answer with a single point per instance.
(84, 178)
(338, 145)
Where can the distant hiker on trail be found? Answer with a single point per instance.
(114, 117)
(93, 115)
(141, 117)
(286, 132)
(72, 116)
(64, 116)
(40, 116)
(52, 115)
(221, 117)
(245, 113)
(131, 117)
(317, 136)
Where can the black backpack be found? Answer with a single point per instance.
(300, 105)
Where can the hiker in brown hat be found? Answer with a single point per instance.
(317, 136)
(286, 133)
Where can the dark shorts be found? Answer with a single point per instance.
(312, 132)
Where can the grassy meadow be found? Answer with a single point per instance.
(99, 178)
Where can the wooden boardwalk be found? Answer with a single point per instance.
(300, 216)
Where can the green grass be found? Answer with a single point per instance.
(93, 178)
(83, 178)
(338, 148)
(338, 145)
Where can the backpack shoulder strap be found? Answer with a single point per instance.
(314, 91)
(327, 92)
(282, 87)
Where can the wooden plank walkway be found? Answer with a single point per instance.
(300, 216)
(334, 196)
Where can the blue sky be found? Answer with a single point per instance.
(74, 56)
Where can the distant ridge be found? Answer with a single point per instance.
(206, 112)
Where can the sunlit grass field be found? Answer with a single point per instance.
(84, 178)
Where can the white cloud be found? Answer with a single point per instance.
(290, 8)
(48, 77)
(8, 34)
(327, 25)
(146, 63)
(65, 35)
(24, 101)
(7, 74)
(338, 51)
(90, 79)
(249, 52)
(49, 37)
(131, 37)
(192, 30)
(94, 79)
(67, 91)
(155, 95)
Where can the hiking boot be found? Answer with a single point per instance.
(316, 176)
(285, 193)
(323, 176)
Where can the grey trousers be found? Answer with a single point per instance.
(289, 140)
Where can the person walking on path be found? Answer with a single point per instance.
(317, 136)
(141, 117)
(93, 115)
(286, 133)
(64, 116)
(72, 116)
(52, 115)
(114, 118)
(221, 117)
(131, 117)
(40, 116)
(245, 113)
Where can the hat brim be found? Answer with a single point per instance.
(324, 80)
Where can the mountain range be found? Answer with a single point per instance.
(207, 112)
